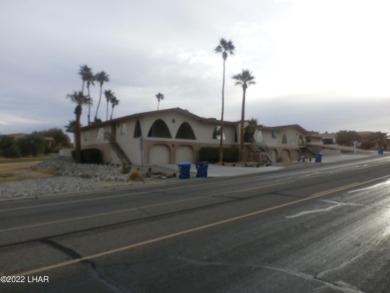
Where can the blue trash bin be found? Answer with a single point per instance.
(184, 170)
(201, 169)
(380, 151)
(318, 158)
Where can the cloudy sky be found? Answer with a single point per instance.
(323, 64)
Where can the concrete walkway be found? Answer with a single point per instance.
(215, 170)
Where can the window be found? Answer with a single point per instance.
(123, 129)
(259, 137)
(284, 139)
(301, 142)
(185, 131)
(159, 129)
(100, 134)
(217, 133)
(86, 135)
(137, 130)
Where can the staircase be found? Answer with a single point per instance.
(118, 150)
(313, 150)
(258, 154)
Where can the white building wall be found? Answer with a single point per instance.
(124, 136)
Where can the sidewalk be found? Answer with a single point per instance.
(215, 170)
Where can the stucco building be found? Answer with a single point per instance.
(176, 135)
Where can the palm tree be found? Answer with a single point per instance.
(100, 77)
(226, 48)
(250, 129)
(159, 97)
(245, 78)
(109, 96)
(114, 102)
(80, 99)
(71, 127)
(84, 71)
(88, 78)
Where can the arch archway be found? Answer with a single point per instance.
(159, 129)
(185, 131)
(137, 130)
(184, 153)
(295, 155)
(285, 155)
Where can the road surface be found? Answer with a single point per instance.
(314, 228)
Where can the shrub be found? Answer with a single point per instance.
(135, 176)
(367, 145)
(211, 154)
(12, 152)
(126, 169)
(90, 156)
(31, 145)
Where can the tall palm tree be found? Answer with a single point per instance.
(245, 78)
(84, 71)
(226, 48)
(80, 99)
(114, 102)
(159, 97)
(87, 77)
(90, 78)
(101, 78)
(109, 96)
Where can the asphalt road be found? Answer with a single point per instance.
(309, 228)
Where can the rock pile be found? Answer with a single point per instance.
(71, 177)
(66, 167)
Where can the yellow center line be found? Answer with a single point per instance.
(192, 230)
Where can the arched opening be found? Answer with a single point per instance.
(185, 131)
(159, 154)
(295, 155)
(159, 129)
(184, 154)
(285, 156)
(274, 155)
(137, 130)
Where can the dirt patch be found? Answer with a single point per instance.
(20, 171)
(7, 167)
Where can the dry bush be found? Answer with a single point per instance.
(135, 176)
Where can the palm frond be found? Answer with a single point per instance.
(244, 78)
(225, 47)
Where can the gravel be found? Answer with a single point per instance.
(69, 178)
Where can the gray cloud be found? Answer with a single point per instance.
(167, 46)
